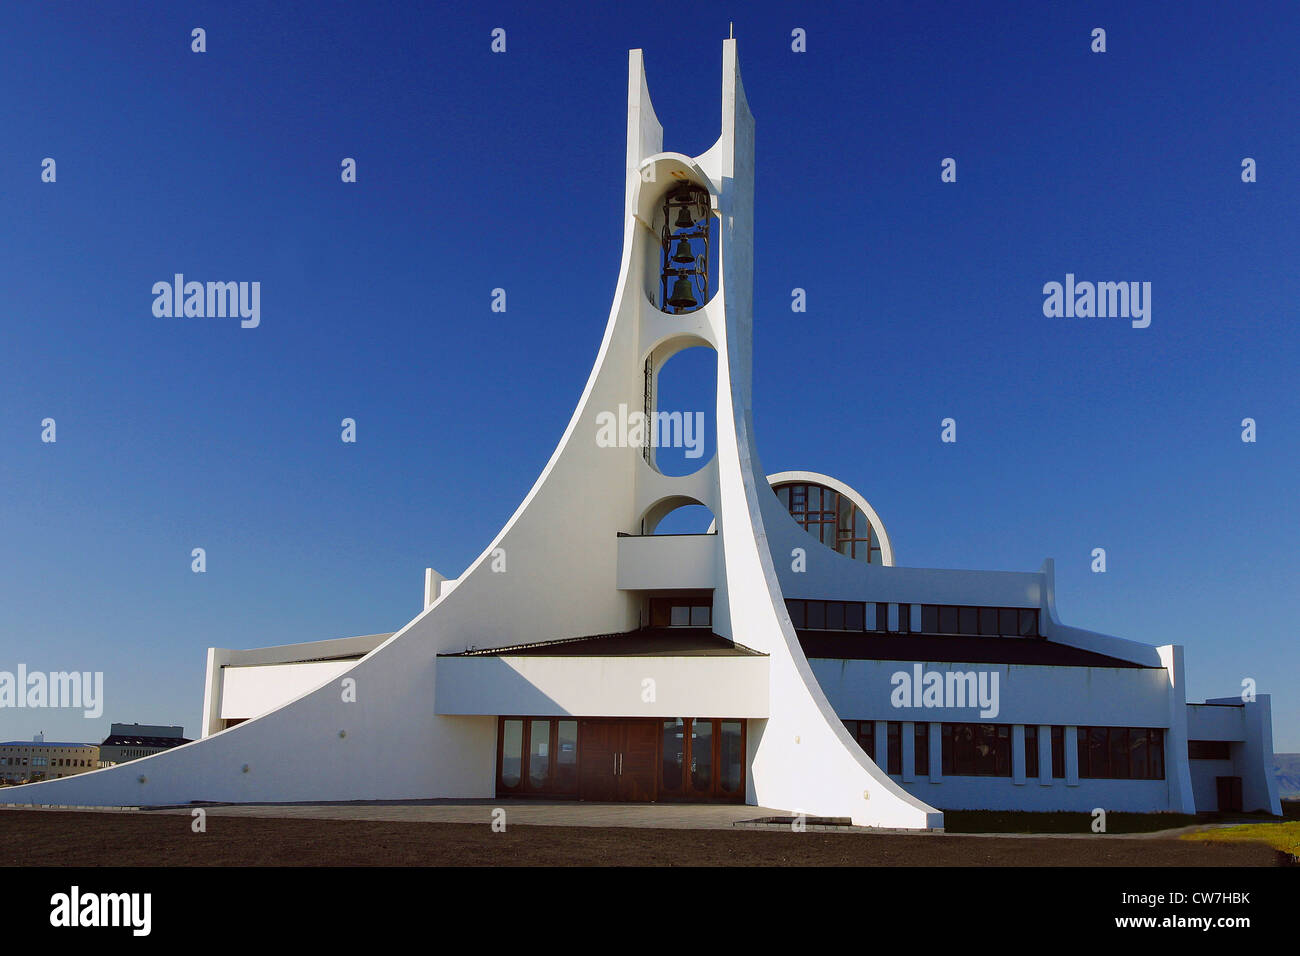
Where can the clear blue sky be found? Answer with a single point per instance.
(479, 171)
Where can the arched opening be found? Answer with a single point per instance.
(681, 403)
(678, 248)
(688, 519)
(685, 244)
(677, 514)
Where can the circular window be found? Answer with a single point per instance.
(835, 515)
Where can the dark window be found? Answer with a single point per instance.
(1028, 622)
(681, 612)
(894, 749)
(864, 732)
(1058, 752)
(921, 750)
(817, 615)
(827, 615)
(1007, 621)
(834, 615)
(867, 737)
(882, 616)
(1138, 754)
(1031, 750)
(1155, 754)
(968, 620)
(1094, 752)
(904, 618)
(989, 620)
(798, 612)
(1120, 753)
(1209, 750)
(1119, 744)
(855, 613)
(976, 750)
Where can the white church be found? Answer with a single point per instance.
(782, 659)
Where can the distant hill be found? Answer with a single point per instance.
(1287, 768)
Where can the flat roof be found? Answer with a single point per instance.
(647, 642)
(130, 740)
(949, 648)
(832, 645)
(299, 660)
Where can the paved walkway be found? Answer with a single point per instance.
(564, 813)
(674, 816)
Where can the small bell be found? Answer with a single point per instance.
(684, 219)
(682, 297)
(683, 253)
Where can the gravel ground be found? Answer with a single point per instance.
(71, 838)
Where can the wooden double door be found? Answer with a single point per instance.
(617, 759)
(607, 759)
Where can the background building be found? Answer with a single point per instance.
(132, 741)
(30, 761)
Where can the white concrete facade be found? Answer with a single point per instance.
(608, 686)
(338, 720)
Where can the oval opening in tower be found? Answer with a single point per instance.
(683, 401)
(685, 248)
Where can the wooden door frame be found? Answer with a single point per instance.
(524, 788)
(715, 793)
(687, 794)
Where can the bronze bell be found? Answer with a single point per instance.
(683, 253)
(682, 297)
(684, 219)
